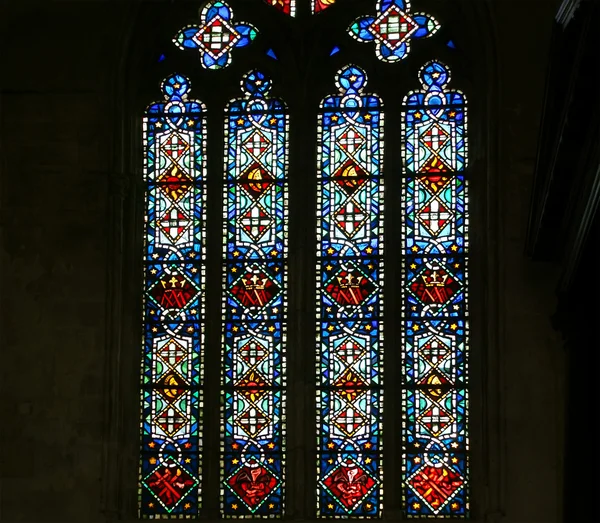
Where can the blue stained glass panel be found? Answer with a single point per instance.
(255, 301)
(435, 309)
(349, 300)
(173, 307)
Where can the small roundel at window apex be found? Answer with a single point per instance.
(256, 84)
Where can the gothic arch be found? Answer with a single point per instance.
(136, 80)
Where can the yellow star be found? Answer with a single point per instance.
(158, 124)
(415, 327)
(190, 329)
(192, 254)
(435, 75)
(334, 118)
(273, 252)
(234, 506)
(418, 115)
(234, 269)
(368, 327)
(330, 461)
(235, 461)
(271, 445)
(456, 265)
(367, 445)
(330, 506)
(370, 265)
(240, 121)
(452, 114)
(271, 505)
(330, 328)
(194, 270)
(151, 505)
(275, 310)
(454, 444)
(330, 445)
(368, 460)
(154, 329)
(368, 250)
(454, 326)
(367, 116)
(330, 250)
(454, 460)
(273, 121)
(234, 329)
(417, 445)
(416, 506)
(191, 122)
(369, 506)
(152, 444)
(177, 85)
(454, 506)
(153, 271)
(187, 505)
(414, 248)
(276, 269)
(328, 309)
(193, 311)
(271, 328)
(152, 461)
(413, 265)
(329, 267)
(236, 253)
(454, 248)
(417, 459)
(270, 460)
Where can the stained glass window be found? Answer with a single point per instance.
(349, 299)
(174, 175)
(254, 308)
(285, 6)
(435, 328)
(392, 28)
(320, 5)
(216, 36)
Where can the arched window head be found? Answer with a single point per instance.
(263, 357)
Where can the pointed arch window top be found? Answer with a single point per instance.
(392, 29)
(216, 36)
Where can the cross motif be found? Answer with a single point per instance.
(392, 29)
(435, 138)
(256, 145)
(350, 217)
(350, 421)
(253, 421)
(171, 420)
(174, 146)
(174, 222)
(256, 222)
(349, 352)
(434, 216)
(216, 36)
(435, 420)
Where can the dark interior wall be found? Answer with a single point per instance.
(59, 112)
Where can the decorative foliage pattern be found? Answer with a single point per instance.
(254, 315)
(216, 36)
(392, 29)
(349, 299)
(174, 174)
(285, 6)
(435, 236)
